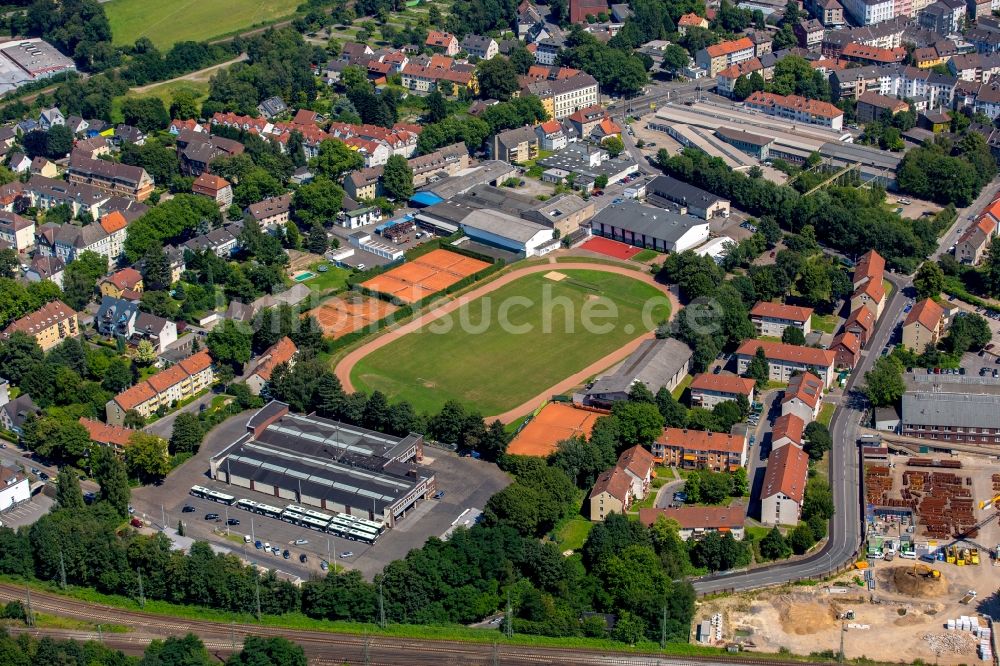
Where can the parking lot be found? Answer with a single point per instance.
(467, 484)
(28, 512)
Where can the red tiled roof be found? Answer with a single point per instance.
(873, 289)
(786, 473)
(927, 312)
(701, 440)
(781, 311)
(725, 382)
(280, 352)
(741, 68)
(873, 53)
(197, 362)
(637, 460)
(790, 426)
(848, 340)
(807, 387)
(614, 481)
(102, 433)
(437, 38)
(551, 126)
(725, 48)
(132, 397)
(811, 106)
(822, 358)
(113, 222)
(161, 381)
(208, 183)
(690, 20)
(863, 317)
(699, 517)
(126, 278)
(41, 319)
(871, 265)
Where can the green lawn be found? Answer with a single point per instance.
(646, 255)
(167, 23)
(334, 278)
(679, 391)
(825, 323)
(573, 533)
(826, 413)
(494, 368)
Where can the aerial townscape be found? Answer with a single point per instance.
(499, 332)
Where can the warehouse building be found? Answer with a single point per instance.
(951, 408)
(509, 233)
(666, 190)
(656, 363)
(326, 464)
(645, 226)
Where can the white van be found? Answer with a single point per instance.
(908, 555)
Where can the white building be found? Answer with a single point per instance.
(508, 232)
(870, 12)
(14, 487)
(646, 226)
(784, 486)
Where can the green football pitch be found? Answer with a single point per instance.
(553, 329)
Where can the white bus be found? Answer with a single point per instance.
(209, 494)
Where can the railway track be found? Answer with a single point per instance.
(327, 648)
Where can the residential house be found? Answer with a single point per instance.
(612, 493)
(797, 109)
(726, 79)
(271, 107)
(563, 91)
(585, 121)
(691, 21)
(708, 390)
(479, 46)
(120, 318)
(551, 135)
(944, 17)
(873, 106)
(123, 179)
(198, 149)
(516, 145)
(114, 224)
(655, 363)
(446, 161)
(870, 268)
(718, 57)
(102, 434)
(128, 134)
(696, 522)
(442, 42)
(424, 78)
(809, 32)
(164, 389)
(45, 268)
(847, 347)
(375, 153)
(771, 319)
(271, 213)
(43, 167)
(20, 163)
(49, 325)
(872, 55)
(803, 397)
(215, 188)
(783, 360)
(93, 147)
(177, 125)
(787, 429)
(122, 284)
(870, 12)
(638, 464)
(861, 323)
(49, 118)
(45, 193)
(923, 326)
(784, 486)
(223, 241)
(283, 351)
(14, 486)
(14, 413)
(364, 183)
(871, 295)
(701, 449)
(17, 231)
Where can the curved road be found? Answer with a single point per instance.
(346, 365)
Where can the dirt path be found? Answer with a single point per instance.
(191, 76)
(344, 367)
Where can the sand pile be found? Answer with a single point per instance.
(913, 582)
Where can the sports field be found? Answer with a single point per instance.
(556, 422)
(494, 368)
(425, 275)
(166, 23)
(351, 312)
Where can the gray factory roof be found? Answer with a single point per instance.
(488, 172)
(978, 410)
(850, 153)
(503, 225)
(653, 364)
(640, 218)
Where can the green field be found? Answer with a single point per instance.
(166, 23)
(495, 370)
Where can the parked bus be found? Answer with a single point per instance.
(209, 494)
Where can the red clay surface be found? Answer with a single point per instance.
(553, 424)
(425, 275)
(611, 248)
(345, 314)
(344, 367)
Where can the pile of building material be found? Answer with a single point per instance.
(954, 642)
(965, 623)
(996, 483)
(930, 462)
(943, 502)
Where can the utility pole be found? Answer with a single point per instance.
(253, 537)
(62, 570)
(227, 520)
(496, 655)
(256, 579)
(163, 517)
(381, 607)
(29, 616)
(508, 627)
(100, 634)
(367, 653)
(843, 630)
(232, 634)
(142, 596)
(663, 628)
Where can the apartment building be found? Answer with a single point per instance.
(49, 325)
(564, 92)
(718, 57)
(923, 325)
(783, 360)
(700, 449)
(870, 12)
(187, 378)
(772, 319)
(784, 486)
(17, 231)
(121, 179)
(708, 390)
(797, 109)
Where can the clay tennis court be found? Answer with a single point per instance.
(426, 275)
(611, 248)
(553, 424)
(345, 314)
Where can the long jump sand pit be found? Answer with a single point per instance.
(553, 424)
(350, 312)
(425, 275)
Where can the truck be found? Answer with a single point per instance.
(974, 556)
(969, 596)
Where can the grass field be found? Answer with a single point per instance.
(167, 23)
(646, 255)
(825, 323)
(482, 365)
(333, 278)
(572, 534)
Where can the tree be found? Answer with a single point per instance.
(614, 145)
(183, 105)
(319, 202)
(675, 58)
(818, 440)
(145, 352)
(146, 113)
(187, 434)
(9, 265)
(497, 79)
(156, 269)
(317, 241)
(521, 58)
(773, 546)
(801, 539)
(174, 651)
(639, 422)
(742, 89)
(758, 368)
(228, 343)
(793, 335)
(437, 106)
(146, 456)
(967, 331)
(674, 413)
(397, 176)
(109, 472)
(335, 159)
(68, 494)
(884, 383)
(929, 280)
(58, 141)
(80, 278)
(818, 500)
(271, 651)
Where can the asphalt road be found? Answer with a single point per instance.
(966, 216)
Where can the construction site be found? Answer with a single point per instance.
(925, 586)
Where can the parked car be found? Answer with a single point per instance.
(301, 542)
(346, 554)
(257, 544)
(211, 516)
(188, 509)
(303, 558)
(324, 566)
(439, 494)
(233, 521)
(286, 554)
(135, 522)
